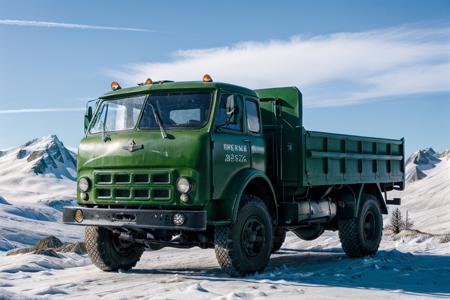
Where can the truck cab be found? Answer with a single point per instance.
(216, 165)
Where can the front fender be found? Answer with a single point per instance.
(225, 210)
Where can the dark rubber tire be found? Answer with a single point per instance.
(231, 244)
(100, 245)
(279, 236)
(355, 239)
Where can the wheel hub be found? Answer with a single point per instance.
(253, 236)
(369, 227)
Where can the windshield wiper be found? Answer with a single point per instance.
(105, 137)
(158, 121)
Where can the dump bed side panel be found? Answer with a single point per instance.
(344, 159)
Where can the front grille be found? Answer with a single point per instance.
(160, 178)
(133, 186)
(122, 178)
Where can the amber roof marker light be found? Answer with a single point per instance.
(207, 78)
(115, 86)
(148, 81)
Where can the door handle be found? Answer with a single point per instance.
(246, 140)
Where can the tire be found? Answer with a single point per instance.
(361, 236)
(244, 247)
(279, 235)
(109, 253)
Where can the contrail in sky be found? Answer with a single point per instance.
(67, 25)
(38, 110)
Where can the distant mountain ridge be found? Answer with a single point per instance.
(427, 193)
(46, 155)
(421, 161)
(41, 170)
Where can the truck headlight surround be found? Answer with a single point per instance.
(184, 185)
(84, 184)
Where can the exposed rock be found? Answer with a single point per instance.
(21, 154)
(48, 252)
(415, 175)
(20, 251)
(420, 161)
(48, 242)
(50, 246)
(3, 201)
(443, 155)
(34, 155)
(425, 157)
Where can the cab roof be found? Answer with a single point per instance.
(163, 86)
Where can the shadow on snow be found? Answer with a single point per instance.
(389, 270)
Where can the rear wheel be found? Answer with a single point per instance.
(361, 236)
(244, 247)
(108, 252)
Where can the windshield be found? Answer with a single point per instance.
(189, 110)
(118, 115)
(174, 110)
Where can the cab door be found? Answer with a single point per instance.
(231, 145)
(254, 132)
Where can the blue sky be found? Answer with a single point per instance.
(378, 68)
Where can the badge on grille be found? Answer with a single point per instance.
(132, 146)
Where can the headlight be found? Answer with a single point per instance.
(84, 184)
(183, 185)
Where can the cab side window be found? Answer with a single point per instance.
(230, 112)
(253, 121)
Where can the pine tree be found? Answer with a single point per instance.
(397, 223)
(408, 223)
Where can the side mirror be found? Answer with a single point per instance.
(233, 115)
(277, 108)
(87, 118)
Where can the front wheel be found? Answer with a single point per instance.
(244, 247)
(361, 236)
(279, 236)
(108, 252)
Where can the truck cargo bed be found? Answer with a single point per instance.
(345, 159)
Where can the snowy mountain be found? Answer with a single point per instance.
(46, 155)
(419, 162)
(427, 193)
(42, 163)
(36, 180)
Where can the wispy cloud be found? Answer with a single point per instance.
(67, 25)
(337, 69)
(39, 110)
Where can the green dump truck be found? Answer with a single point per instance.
(215, 165)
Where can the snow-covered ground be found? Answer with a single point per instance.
(412, 268)
(36, 186)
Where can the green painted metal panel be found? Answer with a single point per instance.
(283, 133)
(345, 159)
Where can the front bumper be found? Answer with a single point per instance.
(142, 218)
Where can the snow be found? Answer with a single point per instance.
(409, 265)
(317, 269)
(22, 225)
(428, 200)
(39, 170)
(36, 181)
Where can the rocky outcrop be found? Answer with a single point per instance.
(51, 246)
